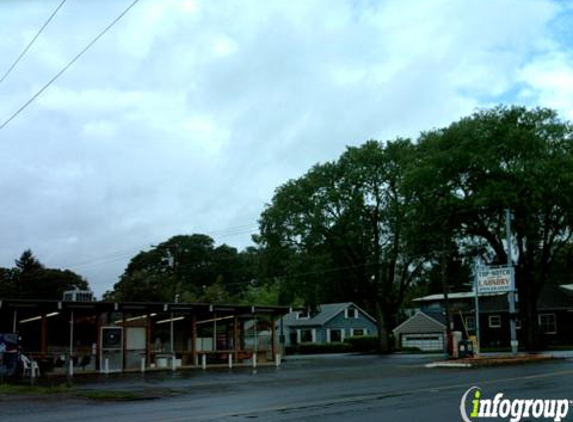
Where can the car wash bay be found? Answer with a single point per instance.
(68, 337)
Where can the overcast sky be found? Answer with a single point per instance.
(187, 115)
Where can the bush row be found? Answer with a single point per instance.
(352, 344)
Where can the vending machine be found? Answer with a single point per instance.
(9, 354)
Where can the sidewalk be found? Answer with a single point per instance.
(502, 359)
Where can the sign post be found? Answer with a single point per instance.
(491, 280)
(511, 296)
(476, 306)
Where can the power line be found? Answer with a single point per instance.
(23, 53)
(126, 253)
(80, 54)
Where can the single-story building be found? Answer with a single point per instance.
(425, 330)
(554, 317)
(330, 323)
(118, 336)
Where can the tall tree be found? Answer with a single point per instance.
(506, 157)
(348, 219)
(188, 268)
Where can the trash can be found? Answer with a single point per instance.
(465, 349)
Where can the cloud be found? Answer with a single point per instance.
(549, 81)
(188, 114)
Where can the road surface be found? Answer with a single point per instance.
(342, 388)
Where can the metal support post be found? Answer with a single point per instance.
(71, 362)
(476, 299)
(511, 296)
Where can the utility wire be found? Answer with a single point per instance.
(126, 253)
(80, 54)
(23, 53)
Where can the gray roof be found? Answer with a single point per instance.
(422, 322)
(551, 297)
(325, 313)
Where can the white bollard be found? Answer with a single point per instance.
(106, 366)
(230, 361)
(70, 368)
(142, 365)
(204, 361)
(36, 369)
(254, 360)
(278, 358)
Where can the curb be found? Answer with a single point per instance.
(448, 365)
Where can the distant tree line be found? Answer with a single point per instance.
(190, 268)
(29, 278)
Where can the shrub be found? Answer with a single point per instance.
(311, 348)
(363, 344)
(410, 350)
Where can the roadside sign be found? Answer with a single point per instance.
(494, 279)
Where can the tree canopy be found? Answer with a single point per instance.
(503, 158)
(386, 217)
(346, 222)
(187, 268)
(31, 279)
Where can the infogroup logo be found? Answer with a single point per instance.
(474, 407)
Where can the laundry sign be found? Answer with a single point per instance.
(494, 279)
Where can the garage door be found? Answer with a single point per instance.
(425, 342)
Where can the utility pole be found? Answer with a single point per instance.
(173, 262)
(446, 300)
(476, 299)
(511, 295)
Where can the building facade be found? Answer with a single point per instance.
(554, 316)
(331, 323)
(63, 336)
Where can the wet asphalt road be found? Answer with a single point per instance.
(349, 388)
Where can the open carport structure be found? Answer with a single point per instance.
(67, 337)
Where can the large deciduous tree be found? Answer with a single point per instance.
(342, 227)
(503, 158)
(188, 268)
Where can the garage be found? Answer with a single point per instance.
(423, 331)
(424, 342)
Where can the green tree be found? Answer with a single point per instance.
(469, 173)
(8, 282)
(189, 268)
(31, 279)
(343, 227)
(262, 294)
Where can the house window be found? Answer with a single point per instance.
(547, 323)
(335, 336)
(494, 321)
(351, 313)
(471, 323)
(307, 335)
(358, 332)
